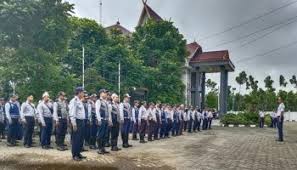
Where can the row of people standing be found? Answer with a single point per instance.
(97, 122)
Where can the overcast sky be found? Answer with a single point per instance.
(263, 46)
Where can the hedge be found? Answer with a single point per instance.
(246, 118)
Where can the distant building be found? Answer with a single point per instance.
(197, 64)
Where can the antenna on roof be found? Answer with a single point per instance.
(100, 12)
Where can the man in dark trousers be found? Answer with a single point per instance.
(135, 115)
(104, 120)
(61, 117)
(77, 117)
(126, 116)
(28, 118)
(115, 128)
(142, 120)
(2, 119)
(12, 111)
(280, 119)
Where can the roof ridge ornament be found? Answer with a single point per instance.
(144, 1)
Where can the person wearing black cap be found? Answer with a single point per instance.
(77, 116)
(103, 118)
(126, 116)
(2, 118)
(12, 111)
(93, 122)
(61, 116)
(88, 109)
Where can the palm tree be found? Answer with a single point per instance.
(282, 81)
(241, 79)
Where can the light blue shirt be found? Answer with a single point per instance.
(76, 110)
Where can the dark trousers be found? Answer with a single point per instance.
(102, 134)
(168, 127)
(261, 122)
(135, 129)
(93, 133)
(185, 125)
(151, 128)
(20, 132)
(13, 131)
(174, 128)
(142, 129)
(204, 124)
(163, 129)
(195, 125)
(280, 123)
(210, 121)
(115, 129)
(61, 130)
(181, 126)
(87, 132)
(29, 129)
(274, 122)
(131, 126)
(190, 125)
(77, 138)
(125, 131)
(2, 129)
(157, 130)
(46, 132)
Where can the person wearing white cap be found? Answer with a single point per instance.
(115, 117)
(45, 111)
(125, 116)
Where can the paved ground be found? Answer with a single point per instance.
(220, 148)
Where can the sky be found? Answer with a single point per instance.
(261, 35)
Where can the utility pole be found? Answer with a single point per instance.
(119, 85)
(100, 12)
(83, 66)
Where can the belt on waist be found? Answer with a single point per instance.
(126, 117)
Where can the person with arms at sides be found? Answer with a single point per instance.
(104, 120)
(12, 112)
(126, 116)
(61, 117)
(280, 119)
(115, 117)
(2, 119)
(210, 117)
(77, 116)
(158, 121)
(93, 122)
(45, 111)
(261, 119)
(163, 122)
(181, 118)
(142, 120)
(135, 118)
(28, 113)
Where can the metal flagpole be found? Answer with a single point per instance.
(83, 66)
(119, 80)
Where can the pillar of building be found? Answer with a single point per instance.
(223, 91)
(197, 89)
(203, 90)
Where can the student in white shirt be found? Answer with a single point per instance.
(261, 119)
(280, 119)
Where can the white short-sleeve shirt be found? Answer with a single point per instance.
(280, 109)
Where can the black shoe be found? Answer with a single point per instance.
(100, 152)
(76, 158)
(142, 141)
(105, 152)
(60, 148)
(125, 146)
(92, 147)
(27, 146)
(107, 145)
(45, 147)
(11, 144)
(50, 147)
(82, 157)
(84, 150)
(135, 139)
(115, 148)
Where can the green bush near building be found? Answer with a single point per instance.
(245, 118)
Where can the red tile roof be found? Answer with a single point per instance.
(119, 27)
(211, 56)
(192, 48)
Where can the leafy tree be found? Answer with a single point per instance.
(269, 83)
(241, 79)
(293, 81)
(282, 81)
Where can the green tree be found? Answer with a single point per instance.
(282, 81)
(241, 79)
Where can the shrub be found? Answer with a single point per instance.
(267, 120)
(246, 118)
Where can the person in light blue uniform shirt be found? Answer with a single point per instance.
(28, 113)
(126, 117)
(12, 111)
(77, 116)
(45, 111)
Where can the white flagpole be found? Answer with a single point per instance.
(83, 66)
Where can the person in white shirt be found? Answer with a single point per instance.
(77, 116)
(115, 117)
(28, 118)
(205, 119)
(210, 117)
(261, 119)
(163, 121)
(142, 120)
(126, 116)
(186, 118)
(12, 111)
(151, 120)
(181, 118)
(158, 122)
(190, 119)
(135, 119)
(280, 119)
(169, 112)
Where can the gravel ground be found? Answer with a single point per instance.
(221, 148)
